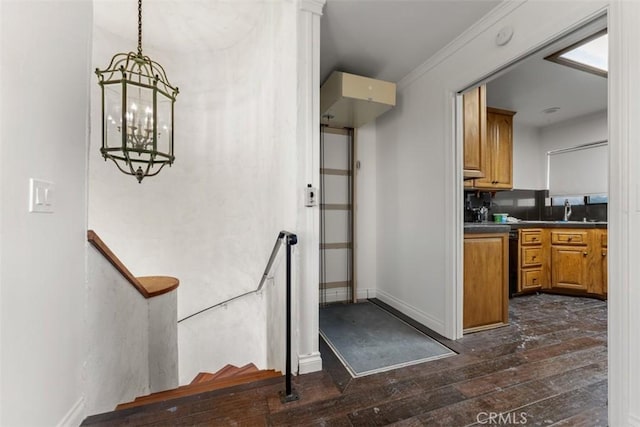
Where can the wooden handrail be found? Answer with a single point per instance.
(148, 286)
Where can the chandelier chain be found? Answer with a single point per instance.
(139, 27)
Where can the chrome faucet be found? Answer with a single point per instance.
(567, 210)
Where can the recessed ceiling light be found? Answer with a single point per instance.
(590, 54)
(551, 110)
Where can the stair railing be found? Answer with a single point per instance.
(290, 239)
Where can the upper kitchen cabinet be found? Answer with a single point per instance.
(475, 131)
(497, 153)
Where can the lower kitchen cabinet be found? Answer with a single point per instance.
(570, 260)
(486, 271)
(531, 260)
(569, 268)
(599, 264)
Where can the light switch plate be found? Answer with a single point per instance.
(41, 196)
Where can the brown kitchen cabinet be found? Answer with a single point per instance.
(569, 268)
(475, 132)
(531, 260)
(570, 256)
(486, 271)
(600, 264)
(563, 260)
(497, 158)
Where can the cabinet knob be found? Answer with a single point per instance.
(585, 253)
(604, 253)
(570, 238)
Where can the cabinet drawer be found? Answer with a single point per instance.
(531, 279)
(568, 237)
(531, 237)
(531, 256)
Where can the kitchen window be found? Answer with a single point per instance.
(579, 170)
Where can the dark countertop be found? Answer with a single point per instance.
(486, 227)
(557, 224)
(492, 227)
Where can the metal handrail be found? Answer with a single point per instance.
(265, 275)
(290, 239)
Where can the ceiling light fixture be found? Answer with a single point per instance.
(137, 112)
(551, 110)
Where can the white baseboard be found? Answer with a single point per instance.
(342, 294)
(417, 315)
(308, 363)
(75, 416)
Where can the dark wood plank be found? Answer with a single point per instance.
(549, 365)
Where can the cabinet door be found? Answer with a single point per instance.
(605, 272)
(569, 269)
(604, 243)
(485, 280)
(497, 164)
(474, 118)
(503, 160)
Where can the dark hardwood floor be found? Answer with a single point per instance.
(548, 367)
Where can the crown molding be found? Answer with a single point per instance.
(496, 14)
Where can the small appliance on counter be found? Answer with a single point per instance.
(480, 214)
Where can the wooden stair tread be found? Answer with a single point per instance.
(202, 377)
(224, 372)
(190, 389)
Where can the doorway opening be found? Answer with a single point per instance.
(536, 158)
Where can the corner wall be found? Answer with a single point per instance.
(46, 68)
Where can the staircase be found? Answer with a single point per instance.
(228, 376)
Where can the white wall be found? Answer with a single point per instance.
(117, 364)
(212, 218)
(419, 242)
(530, 145)
(529, 161)
(46, 68)
(366, 212)
(581, 130)
(163, 341)
(589, 176)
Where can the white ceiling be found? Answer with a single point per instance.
(538, 84)
(384, 39)
(387, 39)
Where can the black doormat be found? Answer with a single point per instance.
(367, 339)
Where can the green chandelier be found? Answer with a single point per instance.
(137, 112)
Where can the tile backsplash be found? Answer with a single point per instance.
(528, 205)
